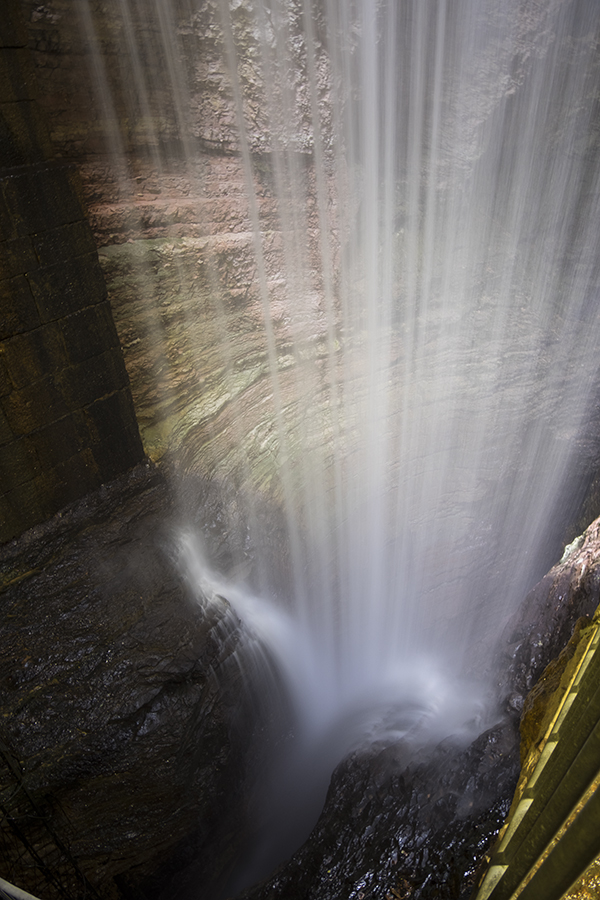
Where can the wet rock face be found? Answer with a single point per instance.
(401, 825)
(169, 206)
(205, 105)
(123, 741)
(118, 751)
(545, 621)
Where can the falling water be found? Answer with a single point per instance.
(406, 374)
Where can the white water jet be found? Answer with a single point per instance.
(359, 708)
(408, 371)
(413, 702)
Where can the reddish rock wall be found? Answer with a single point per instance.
(166, 192)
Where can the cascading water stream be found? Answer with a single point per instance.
(407, 374)
(414, 701)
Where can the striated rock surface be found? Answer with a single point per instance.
(216, 274)
(120, 743)
(157, 142)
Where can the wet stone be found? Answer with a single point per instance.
(88, 333)
(63, 243)
(19, 310)
(30, 357)
(16, 257)
(112, 708)
(395, 826)
(88, 381)
(41, 198)
(36, 405)
(67, 286)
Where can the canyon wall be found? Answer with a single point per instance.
(165, 185)
(189, 257)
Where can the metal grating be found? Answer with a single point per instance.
(554, 833)
(32, 854)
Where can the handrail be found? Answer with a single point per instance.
(13, 893)
(554, 832)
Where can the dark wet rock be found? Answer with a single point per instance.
(401, 827)
(547, 618)
(396, 827)
(119, 702)
(124, 734)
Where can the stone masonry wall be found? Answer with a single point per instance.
(67, 422)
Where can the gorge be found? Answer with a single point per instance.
(351, 256)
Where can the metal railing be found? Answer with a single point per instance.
(31, 849)
(554, 833)
(8, 891)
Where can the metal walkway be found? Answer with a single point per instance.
(554, 833)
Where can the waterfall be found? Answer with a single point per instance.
(395, 348)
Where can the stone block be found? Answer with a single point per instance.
(133, 444)
(18, 463)
(17, 75)
(75, 186)
(6, 432)
(108, 416)
(88, 381)
(88, 333)
(42, 198)
(129, 408)
(24, 138)
(17, 257)
(112, 425)
(13, 32)
(73, 478)
(107, 323)
(59, 441)
(63, 243)
(68, 286)
(18, 309)
(114, 456)
(34, 406)
(6, 384)
(11, 522)
(8, 230)
(30, 502)
(34, 355)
